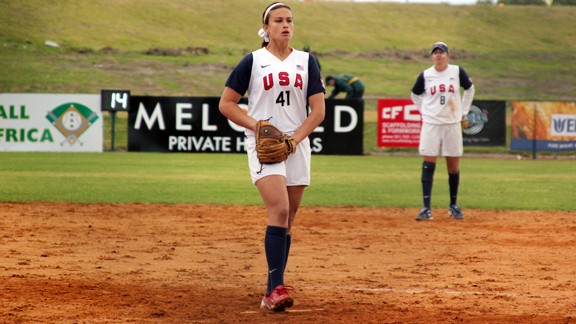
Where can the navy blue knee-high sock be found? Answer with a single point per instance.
(275, 247)
(427, 181)
(453, 182)
(288, 243)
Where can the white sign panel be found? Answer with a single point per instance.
(50, 123)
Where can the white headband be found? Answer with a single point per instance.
(270, 8)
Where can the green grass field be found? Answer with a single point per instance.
(510, 54)
(380, 181)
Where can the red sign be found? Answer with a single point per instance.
(399, 123)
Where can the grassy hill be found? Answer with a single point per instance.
(515, 52)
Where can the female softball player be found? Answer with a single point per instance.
(436, 93)
(281, 82)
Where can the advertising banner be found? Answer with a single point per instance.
(486, 124)
(543, 126)
(194, 124)
(50, 122)
(399, 124)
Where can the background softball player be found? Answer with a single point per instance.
(436, 93)
(281, 81)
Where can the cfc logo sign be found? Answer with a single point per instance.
(405, 113)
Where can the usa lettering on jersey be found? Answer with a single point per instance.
(442, 89)
(283, 80)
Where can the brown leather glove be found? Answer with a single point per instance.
(272, 145)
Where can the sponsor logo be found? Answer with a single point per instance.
(476, 121)
(72, 120)
(563, 125)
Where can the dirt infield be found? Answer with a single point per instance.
(118, 263)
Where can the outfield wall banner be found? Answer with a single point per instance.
(51, 123)
(543, 126)
(399, 124)
(486, 124)
(194, 124)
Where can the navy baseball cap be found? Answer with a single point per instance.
(441, 46)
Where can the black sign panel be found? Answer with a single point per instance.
(344, 126)
(194, 124)
(486, 124)
(115, 100)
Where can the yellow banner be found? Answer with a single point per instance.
(555, 121)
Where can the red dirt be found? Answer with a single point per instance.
(117, 263)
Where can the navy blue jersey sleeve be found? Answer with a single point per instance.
(239, 79)
(465, 81)
(419, 87)
(315, 84)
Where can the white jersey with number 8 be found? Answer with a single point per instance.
(437, 95)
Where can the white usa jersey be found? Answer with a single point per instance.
(441, 102)
(277, 90)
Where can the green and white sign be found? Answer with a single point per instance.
(50, 122)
